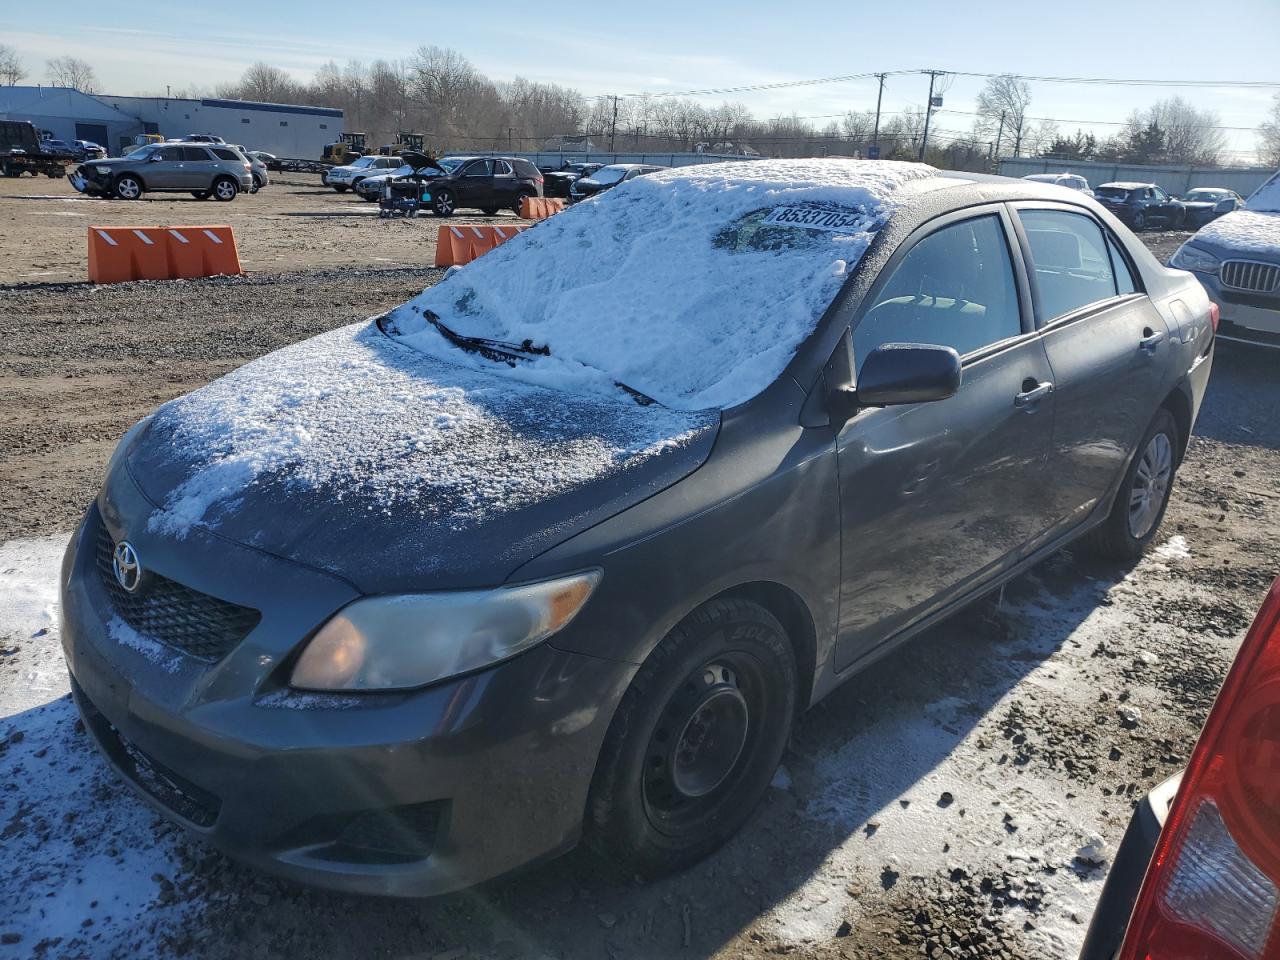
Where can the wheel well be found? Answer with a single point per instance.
(130, 173)
(1178, 404)
(793, 614)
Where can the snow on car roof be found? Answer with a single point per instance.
(1125, 185)
(693, 286)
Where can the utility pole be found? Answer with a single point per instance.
(613, 126)
(875, 137)
(999, 137)
(509, 132)
(928, 112)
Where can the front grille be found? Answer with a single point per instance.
(173, 790)
(164, 610)
(399, 834)
(1250, 275)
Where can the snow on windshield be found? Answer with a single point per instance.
(1266, 199)
(693, 286)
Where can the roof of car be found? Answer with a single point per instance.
(1126, 185)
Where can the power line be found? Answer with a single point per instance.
(1096, 123)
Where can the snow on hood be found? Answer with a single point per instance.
(693, 286)
(1244, 231)
(353, 415)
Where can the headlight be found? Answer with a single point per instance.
(1190, 257)
(101, 170)
(400, 642)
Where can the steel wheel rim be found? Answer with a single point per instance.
(1150, 485)
(699, 744)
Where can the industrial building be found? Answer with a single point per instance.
(286, 130)
(69, 115)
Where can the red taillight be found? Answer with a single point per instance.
(1215, 314)
(1212, 891)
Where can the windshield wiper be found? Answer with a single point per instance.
(501, 351)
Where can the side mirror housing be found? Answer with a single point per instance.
(896, 373)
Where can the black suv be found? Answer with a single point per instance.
(489, 184)
(1141, 205)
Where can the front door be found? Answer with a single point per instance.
(938, 497)
(475, 186)
(164, 170)
(1105, 341)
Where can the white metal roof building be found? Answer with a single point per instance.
(287, 130)
(69, 115)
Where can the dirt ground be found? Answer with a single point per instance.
(293, 224)
(946, 803)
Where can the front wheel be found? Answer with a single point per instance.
(1139, 221)
(1144, 493)
(443, 204)
(225, 189)
(695, 741)
(128, 187)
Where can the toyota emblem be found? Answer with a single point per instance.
(127, 567)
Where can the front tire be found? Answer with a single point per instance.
(695, 741)
(1143, 498)
(127, 187)
(225, 189)
(443, 204)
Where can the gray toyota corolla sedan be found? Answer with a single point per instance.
(558, 549)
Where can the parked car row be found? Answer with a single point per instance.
(204, 170)
(1143, 205)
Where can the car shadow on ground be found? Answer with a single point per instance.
(862, 750)
(1244, 382)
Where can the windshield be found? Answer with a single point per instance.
(1267, 197)
(140, 152)
(609, 174)
(450, 163)
(1112, 193)
(363, 162)
(699, 285)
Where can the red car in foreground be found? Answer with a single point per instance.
(1197, 876)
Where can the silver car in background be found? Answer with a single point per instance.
(202, 169)
(258, 167)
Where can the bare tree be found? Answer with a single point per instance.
(1009, 98)
(1269, 136)
(11, 68)
(1186, 135)
(266, 84)
(72, 72)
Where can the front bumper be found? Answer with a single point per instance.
(408, 794)
(1246, 317)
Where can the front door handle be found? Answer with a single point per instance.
(1150, 340)
(1029, 397)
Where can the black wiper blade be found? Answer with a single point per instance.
(498, 350)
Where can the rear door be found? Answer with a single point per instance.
(1106, 343)
(937, 498)
(199, 166)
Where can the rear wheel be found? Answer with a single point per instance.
(695, 741)
(1144, 493)
(224, 189)
(520, 199)
(443, 203)
(127, 187)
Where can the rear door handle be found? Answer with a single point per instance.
(1150, 340)
(1029, 397)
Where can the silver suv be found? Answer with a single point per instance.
(203, 170)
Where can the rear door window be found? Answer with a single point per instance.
(501, 168)
(198, 154)
(1070, 259)
(955, 288)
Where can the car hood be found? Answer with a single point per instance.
(1246, 232)
(398, 471)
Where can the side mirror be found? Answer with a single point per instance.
(154, 158)
(896, 373)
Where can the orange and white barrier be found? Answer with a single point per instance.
(462, 244)
(539, 208)
(119, 254)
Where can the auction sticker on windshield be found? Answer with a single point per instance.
(817, 218)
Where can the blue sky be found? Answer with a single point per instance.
(662, 46)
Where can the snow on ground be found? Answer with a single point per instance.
(90, 870)
(693, 285)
